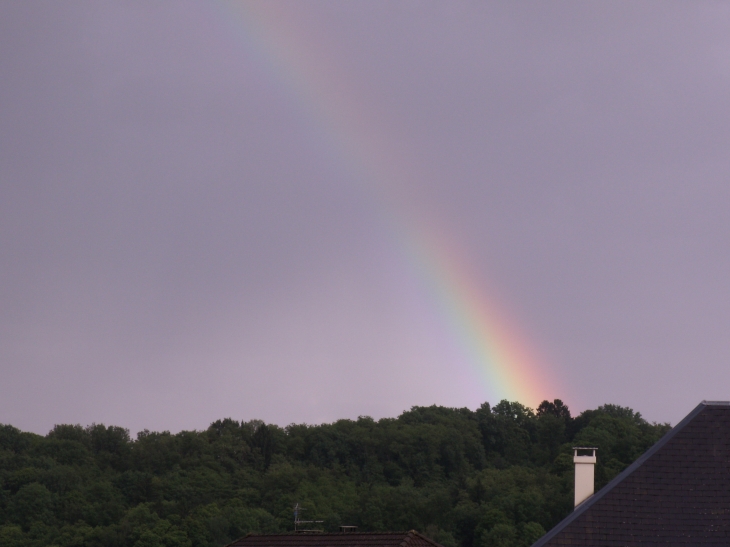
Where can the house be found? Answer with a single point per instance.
(677, 493)
(345, 538)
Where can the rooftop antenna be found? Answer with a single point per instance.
(298, 522)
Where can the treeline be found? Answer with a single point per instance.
(497, 476)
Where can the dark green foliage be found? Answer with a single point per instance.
(497, 476)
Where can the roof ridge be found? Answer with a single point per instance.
(587, 504)
(407, 539)
(425, 538)
(293, 533)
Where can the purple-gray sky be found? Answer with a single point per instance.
(181, 240)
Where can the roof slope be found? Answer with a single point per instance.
(677, 493)
(350, 539)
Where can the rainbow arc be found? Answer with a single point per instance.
(497, 351)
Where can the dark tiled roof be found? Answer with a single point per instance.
(350, 539)
(677, 493)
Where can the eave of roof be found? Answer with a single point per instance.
(586, 505)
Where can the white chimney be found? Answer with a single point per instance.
(585, 462)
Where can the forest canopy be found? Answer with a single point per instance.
(498, 476)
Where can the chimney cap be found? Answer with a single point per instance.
(584, 454)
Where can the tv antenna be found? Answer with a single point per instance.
(297, 522)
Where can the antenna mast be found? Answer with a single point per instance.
(297, 522)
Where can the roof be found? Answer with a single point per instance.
(677, 493)
(347, 539)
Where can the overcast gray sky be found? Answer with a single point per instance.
(203, 206)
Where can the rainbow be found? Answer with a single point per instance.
(500, 356)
